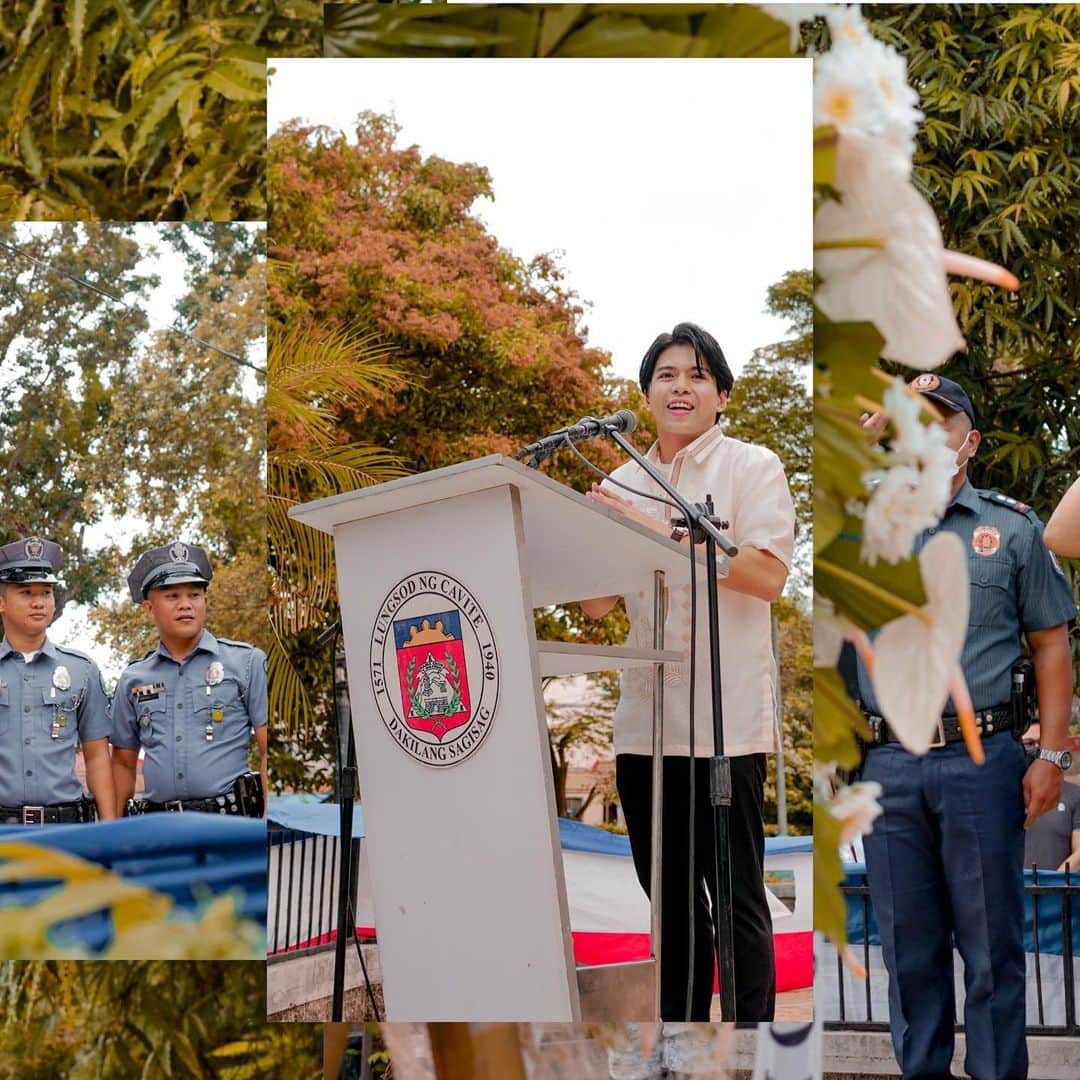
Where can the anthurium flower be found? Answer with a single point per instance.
(881, 258)
(917, 660)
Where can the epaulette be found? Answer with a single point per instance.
(145, 656)
(72, 652)
(241, 644)
(1005, 500)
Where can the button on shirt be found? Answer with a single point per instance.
(750, 492)
(168, 707)
(1015, 587)
(35, 768)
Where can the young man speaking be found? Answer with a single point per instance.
(686, 382)
(191, 703)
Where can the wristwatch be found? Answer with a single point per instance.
(1061, 758)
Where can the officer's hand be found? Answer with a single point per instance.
(874, 421)
(1042, 789)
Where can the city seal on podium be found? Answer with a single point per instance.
(434, 668)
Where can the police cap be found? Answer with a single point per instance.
(173, 564)
(945, 392)
(30, 559)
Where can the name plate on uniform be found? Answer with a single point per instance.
(147, 693)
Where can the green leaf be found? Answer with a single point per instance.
(836, 719)
(555, 23)
(866, 595)
(825, 143)
(75, 17)
(830, 911)
(161, 101)
(233, 80)
(845, 354)
(28, 79)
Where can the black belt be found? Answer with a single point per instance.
(61, 813)
(244, 800)
(216, 804)
(987, 722)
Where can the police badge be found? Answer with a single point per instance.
(61, 678)
(214, 673)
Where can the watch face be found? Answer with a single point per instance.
(1066, 761)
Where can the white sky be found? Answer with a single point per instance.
(73, 627)
(676, 189)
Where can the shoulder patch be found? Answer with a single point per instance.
(1010, 503)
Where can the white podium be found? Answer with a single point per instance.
(439, 574)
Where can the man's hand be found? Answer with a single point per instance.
(1042, 790)
(878, 421)
(621, 506)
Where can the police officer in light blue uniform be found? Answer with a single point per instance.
(945, 859)
(51, 699)
(191, 703)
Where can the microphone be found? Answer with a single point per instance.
(624, 421)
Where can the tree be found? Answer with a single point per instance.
(998, 156)
(146, 1018)
(771, 405)
(156, 113)
(148, 427)
(796, 666)
(557, 30)
(486, 348)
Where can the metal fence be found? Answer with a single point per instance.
(1044, 899)
(302, 878)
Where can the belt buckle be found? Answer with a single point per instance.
(940, 741)
(33, 815)
(178, 804)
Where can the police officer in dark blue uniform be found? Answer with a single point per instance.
(191, 703)
(51, 699)
(945, 859)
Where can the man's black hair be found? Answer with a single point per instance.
(706, 349)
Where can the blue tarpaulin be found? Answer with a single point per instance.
(188, 857)
(309, 814)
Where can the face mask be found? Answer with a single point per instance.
(958, 464)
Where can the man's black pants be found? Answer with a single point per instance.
(755, 970)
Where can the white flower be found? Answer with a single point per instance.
(830, 630)
(61, 678)
(846, 94)
(793, 15)
(898, 285)
(899, 508)
(856, 806)
(917, 659)
(900, 101)
(847, 27)
(904, 407)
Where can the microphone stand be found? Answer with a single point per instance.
(702, 526)
(346, 755)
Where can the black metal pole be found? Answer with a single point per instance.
(699, 522)
(720, 797)
(348, 798)
(346, 801)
